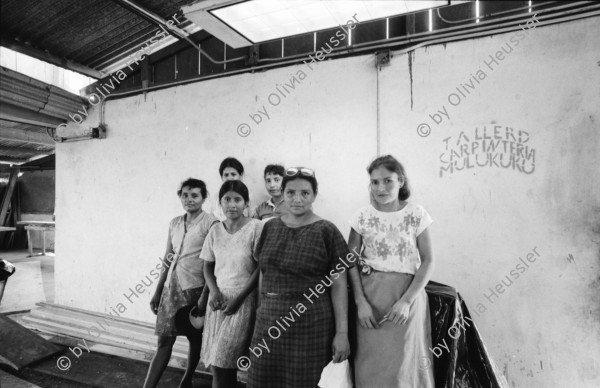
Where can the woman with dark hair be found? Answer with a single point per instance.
(232, 275)
(230, 169)
(183, 275)
(301, 324)
(393, 328)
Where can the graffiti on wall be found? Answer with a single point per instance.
(488, 146)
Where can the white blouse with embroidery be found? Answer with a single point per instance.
(390, 238)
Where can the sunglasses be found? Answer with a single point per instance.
(302, 171)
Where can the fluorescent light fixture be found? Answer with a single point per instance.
(264, 20)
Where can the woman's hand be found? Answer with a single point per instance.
(202, 302)
(341, 347)
(233, 305)
(365, 315)
(217, 301)
(154, 302)
(399, 312)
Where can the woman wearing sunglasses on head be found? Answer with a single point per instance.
(301, 324)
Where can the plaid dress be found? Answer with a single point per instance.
(295, 323)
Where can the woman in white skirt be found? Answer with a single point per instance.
(393, 323)
(231, 273)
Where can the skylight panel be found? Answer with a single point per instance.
(263, 20)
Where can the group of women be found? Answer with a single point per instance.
(251, 277)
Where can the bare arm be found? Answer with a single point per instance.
(234, 304)
(167, 260)
(203, 300)
(425, 271)
(366, 318)
(260, 282)
(216, 300)
(339, 299)
(354, 245)
(401, 309)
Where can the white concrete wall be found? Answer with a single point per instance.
(116, 196)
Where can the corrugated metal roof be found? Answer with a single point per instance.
(23, 91)
(93, 33)
(26, 102)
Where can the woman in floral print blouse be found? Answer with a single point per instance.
(394, 329)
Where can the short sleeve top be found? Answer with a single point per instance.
(233, 254)
(292, 260)
(390, 238)
(268, 209)
(188, 267)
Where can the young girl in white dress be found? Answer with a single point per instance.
(231, 273)
(393, 328)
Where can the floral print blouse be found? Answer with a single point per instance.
(390, 238)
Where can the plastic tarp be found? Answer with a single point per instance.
(460, 358)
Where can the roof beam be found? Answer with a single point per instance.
(156, 19)
(25, 136)
(199, 14)
(50, 58)
(22, 115)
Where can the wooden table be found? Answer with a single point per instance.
(42, 226)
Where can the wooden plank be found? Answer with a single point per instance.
(21, 346)
(51, 223)
(7, 229)
(116, 328)
(42, 228)
(16, 215)
(12, 182)
(81, 329)
(60, 335)
(95, 314)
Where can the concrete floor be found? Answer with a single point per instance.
(93, 370)
(20, 292)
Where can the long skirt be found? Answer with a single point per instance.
(394, 356)
(226, 337)
(172, 299)
(292, 342)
